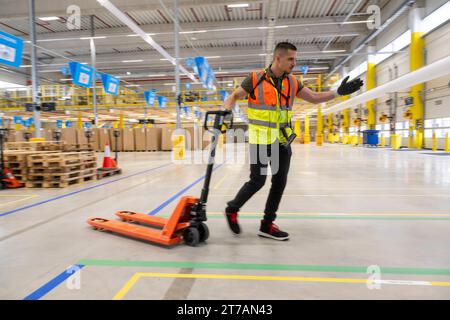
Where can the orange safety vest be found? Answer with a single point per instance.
(269, 110)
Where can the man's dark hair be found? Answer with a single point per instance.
(284, 46)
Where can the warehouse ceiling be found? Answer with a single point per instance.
(235, 40)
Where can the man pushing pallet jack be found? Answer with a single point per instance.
(187, 220)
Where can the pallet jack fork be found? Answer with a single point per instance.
(187, 220)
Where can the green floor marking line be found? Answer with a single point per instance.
(256, 266)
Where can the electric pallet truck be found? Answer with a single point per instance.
(187, 220)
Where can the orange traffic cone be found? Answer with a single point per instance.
(108, 162)
(10, 180)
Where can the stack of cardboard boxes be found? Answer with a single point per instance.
(130, 139)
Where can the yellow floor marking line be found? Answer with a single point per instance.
(121, 294)
(15, 201)
(220, 182)
(127, 287)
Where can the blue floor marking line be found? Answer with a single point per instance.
(79, 191)
(52, 284)
(168, 201)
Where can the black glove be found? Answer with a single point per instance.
(349, 87)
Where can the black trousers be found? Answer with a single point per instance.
(261, 156)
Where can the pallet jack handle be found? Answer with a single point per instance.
(222, 122)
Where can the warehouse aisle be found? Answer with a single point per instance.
(346, 209)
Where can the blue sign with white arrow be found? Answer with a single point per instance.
(162, 101)
(110, 84)
(150, 97)
(11, 49)
(81, 74)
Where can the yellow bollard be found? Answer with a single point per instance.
(80, 122)
(37, 139)
(396, 141)
(319, 139)
(345, 139)
(447, 143)
(434, 147)
(178, 146)
(419, 139)
(382, 141)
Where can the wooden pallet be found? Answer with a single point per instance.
(103, 173)
(61, 184)
(60, 176)
(63, 169)
(60, 159)
(15, 165)
(21, 155)
(35, 146)
(79, 147)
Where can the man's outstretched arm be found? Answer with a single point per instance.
(237, 94)
(319, 97)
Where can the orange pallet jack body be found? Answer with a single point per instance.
(171, 228)
(187, 220)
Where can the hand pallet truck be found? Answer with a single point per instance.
(187, 220)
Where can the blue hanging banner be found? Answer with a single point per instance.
(30, 122)
(223, 94)
(87, 125)
(81, 74)
(150, 97)
(202, 68)
(64, 70)
(304, 69)
(18, 120)
(162, 101)
(11, 49)
(68, 124)
(110, 84)
(1, 122)
(59, 124)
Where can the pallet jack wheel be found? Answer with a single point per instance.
(204, 232)
(191, 236)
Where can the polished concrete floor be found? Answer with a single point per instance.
(353, 214)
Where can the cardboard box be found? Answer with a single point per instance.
(19, 135)
(128, 139)
(166, 139)
(139, 139)
(94, 139)
(103, 138)
(69, 135)
(47, 134)
(153, 139)
(192, 138)
(113, 141)
(81, 136)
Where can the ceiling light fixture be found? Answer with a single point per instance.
(89, 38)
(238, 5)
(49, 18)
